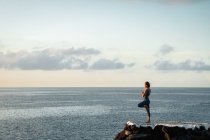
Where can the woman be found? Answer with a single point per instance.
(145, 103)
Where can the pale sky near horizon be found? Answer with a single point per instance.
(99, 43)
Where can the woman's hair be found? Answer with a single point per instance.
(147, 84)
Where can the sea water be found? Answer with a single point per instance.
(94, 113)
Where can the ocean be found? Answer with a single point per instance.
(93, 113)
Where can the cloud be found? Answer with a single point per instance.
(165, 49)
(187, 65)
(165, 63)
(48, 59)
(56, 59)
(82, 51)
(106, 64)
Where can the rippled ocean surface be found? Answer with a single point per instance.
(93, 113)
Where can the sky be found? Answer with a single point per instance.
(104, 43)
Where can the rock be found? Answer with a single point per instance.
(139, 137)
(202, 128)
(161, 132)
(121, 136)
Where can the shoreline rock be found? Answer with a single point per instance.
(162, 132)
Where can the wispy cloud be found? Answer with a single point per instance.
(186, 65)
(106, 64)
(57, 59)
(164, 63)
(165, 49)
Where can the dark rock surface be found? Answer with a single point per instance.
(162, 132)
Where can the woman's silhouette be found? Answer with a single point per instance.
(145, 103)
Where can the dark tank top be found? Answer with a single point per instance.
(147, 92)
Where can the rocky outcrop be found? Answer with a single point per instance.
(162, 132)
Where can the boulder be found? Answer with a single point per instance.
(162, 132)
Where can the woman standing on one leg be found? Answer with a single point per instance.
(145, 103)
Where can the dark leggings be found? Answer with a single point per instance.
(145, 103)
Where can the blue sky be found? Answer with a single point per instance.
(104, 43)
